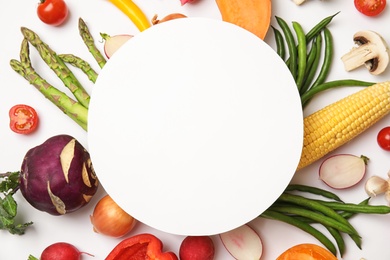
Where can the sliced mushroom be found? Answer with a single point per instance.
(372, 51)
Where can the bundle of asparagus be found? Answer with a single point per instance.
(76, 109)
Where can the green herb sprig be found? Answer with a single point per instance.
(8, 207)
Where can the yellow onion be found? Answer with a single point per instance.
(111, 220)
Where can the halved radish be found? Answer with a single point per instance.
(113, 43)
(243, 243)
(342, 171)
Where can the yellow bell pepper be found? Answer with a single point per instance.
(136, 15)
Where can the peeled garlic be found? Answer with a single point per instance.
(376, 185)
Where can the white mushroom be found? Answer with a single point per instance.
(372, 51)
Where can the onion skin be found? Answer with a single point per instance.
(167, 18)
(111, 220)
(58, 180)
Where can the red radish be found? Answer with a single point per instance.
(343, 170)
(61, 251)
(113, 43)
(183, 2)
(243, 243)
(197, 248)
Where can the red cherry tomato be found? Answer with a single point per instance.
(370, 7)
(53, 12)
(23, 119)
(383, 138)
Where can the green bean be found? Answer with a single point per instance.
(357, 239)
(303, 226)
(328, 57)
(313, 69)
(316, 30)
(319, 218)
(332, 84)
(348, 214)
(315, 206)
(311, 56)
(302, 53)
(319, 27)
(313, 190)
(291, 46)
(356, 208)
(338, 238)
(280, 48)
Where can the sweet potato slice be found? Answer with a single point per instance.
(252, 15)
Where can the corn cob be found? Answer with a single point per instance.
(340, 122)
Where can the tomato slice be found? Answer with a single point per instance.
(23, 119)
(370, 7)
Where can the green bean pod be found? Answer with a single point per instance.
(328, 57)
(357, 208)
(313, 190)
(319, 27)
(291, 46)
(303, 226)
(315, 206)
(302, 54)
(332, 84)
(317, 217)
(279, 40)
(313, 69)
(338, 238)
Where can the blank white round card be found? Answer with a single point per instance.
(195, 126)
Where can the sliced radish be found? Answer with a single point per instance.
(113, 43)
(243, 243)
(343, 170)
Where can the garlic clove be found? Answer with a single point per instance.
(376, 185)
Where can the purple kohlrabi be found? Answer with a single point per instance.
(57, 176)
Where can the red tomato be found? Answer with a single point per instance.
(23, 119)
(383, 138)
(370, 7)
(53, 12)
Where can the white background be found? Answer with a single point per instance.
(101, 16)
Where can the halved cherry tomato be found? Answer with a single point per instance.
(23, 119)
(383, 138)
(370, 7)
(53, 12)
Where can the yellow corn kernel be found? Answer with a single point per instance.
(340, 122)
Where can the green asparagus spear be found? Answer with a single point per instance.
(81, 64)
(88, 40)
(70, 107)
(58, 66)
